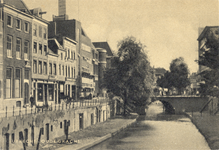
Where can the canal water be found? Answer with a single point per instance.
(157, 131)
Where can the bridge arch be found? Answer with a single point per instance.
(180, 104)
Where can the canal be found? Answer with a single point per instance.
(157, 131)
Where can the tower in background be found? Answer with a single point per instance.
(62, 7)
(62, 11)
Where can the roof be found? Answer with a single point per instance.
(105, 46)
(205, 31)
(54, 45)
(18, 4)
(160, 70)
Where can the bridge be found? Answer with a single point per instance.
(174, 104)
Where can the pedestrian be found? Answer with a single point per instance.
(31, 100)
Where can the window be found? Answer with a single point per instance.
(54, 69)
(72, 72)
(17, 82)
(68, 53)
(50, 68)
(40, 67)
(18, 24)
(40, 49)
(42, 131)
(34, 66)
(61, 56)
(44, 33)
(45, 67)
(71, 54)
(26, 49)
(63, 70)
(69, 72)
(18, 48)
(12, 138)
(60, 124)
(9, 46)
(35, 47)
(26, 27)
(40, 31)
(0, 89)
(74, 55)
(8, 82)
(9, 21)
(66, 71)
(35, 30)
(45, 49)
(60, 71)
(20, 135)
(26, 74)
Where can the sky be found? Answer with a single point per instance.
(168, 28)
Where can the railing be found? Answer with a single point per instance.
(20, 111)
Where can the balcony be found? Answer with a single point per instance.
(69, 79)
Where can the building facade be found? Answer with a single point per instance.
(15, 53)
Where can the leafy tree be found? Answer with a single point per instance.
(165, 81)
(210, 59)
(179, 72)
(132, 76)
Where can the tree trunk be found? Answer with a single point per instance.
(125, 102)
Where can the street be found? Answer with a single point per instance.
(157, 131)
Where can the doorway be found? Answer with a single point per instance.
(6, 141)
(26, 93)
(47, 131)
(81, 116)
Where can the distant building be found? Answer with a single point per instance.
(159, 72)
(194, 86)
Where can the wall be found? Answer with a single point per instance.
(185, 104)
(52, 120)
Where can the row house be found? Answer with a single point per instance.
(83, 83)
(42, 82)
(65, 49)
(15, 53)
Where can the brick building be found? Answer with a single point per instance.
(15, 53)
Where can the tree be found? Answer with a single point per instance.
(210, 59)
(132, 76)
(178, 77)
(165, 81)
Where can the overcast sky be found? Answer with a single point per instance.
(169, 28)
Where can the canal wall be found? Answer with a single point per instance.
(44, 126)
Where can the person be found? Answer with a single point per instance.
(31, 100)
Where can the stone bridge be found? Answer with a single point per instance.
(174, 104)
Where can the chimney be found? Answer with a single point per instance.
(62, 7)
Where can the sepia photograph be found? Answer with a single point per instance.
(109, 74)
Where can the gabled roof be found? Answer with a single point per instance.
(160, 71)
(205, 31)
(105, 46)
(54, 46)
(18, 4)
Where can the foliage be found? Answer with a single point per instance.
(179, 74)
(132, 76)
(177, 77)
(210, 59)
